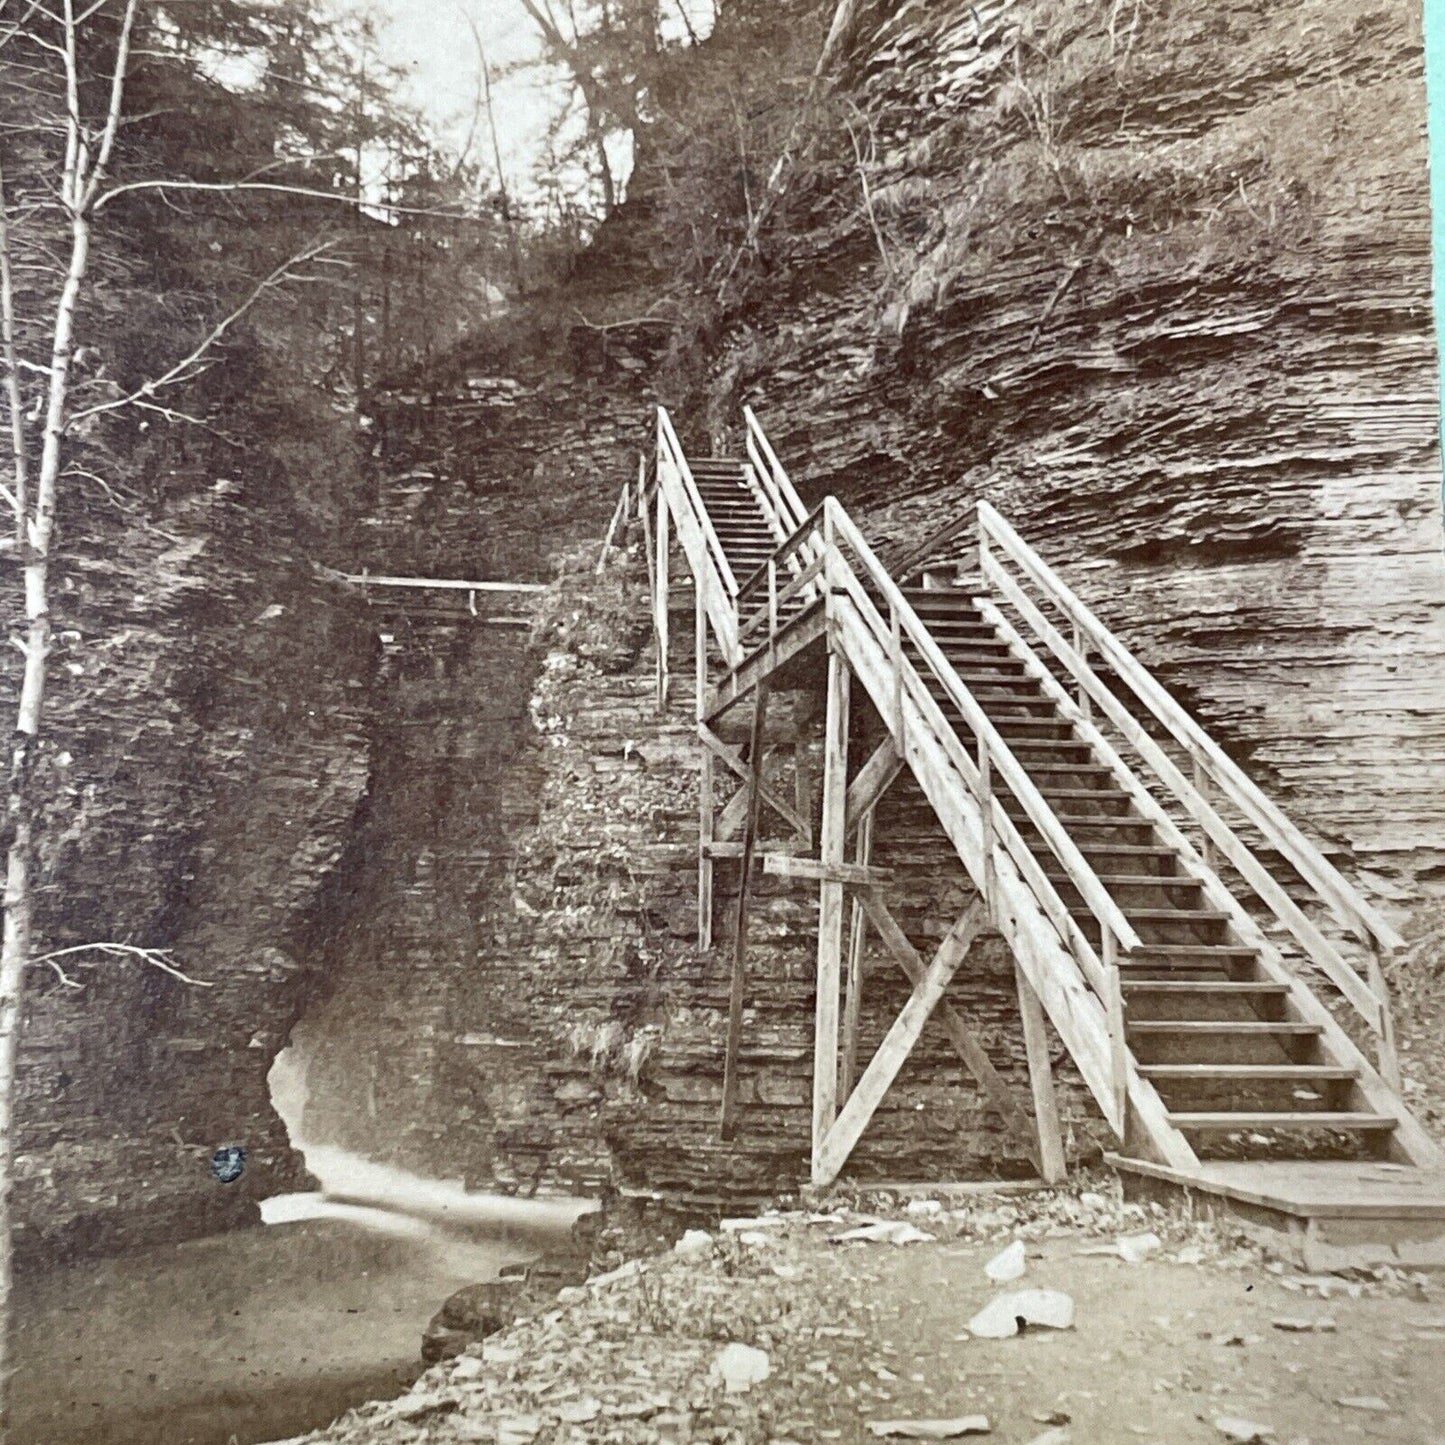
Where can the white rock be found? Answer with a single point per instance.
(758, 1239)
(999, 1319)
(579, 1412)
(1244, 1432)
(931, 1429)
(468, 1367)
(763, 1221)
(740, 1367)
(885, 1231)
(1190, 1254)
(1008, 1265)
(931, 1207)
(694, 1243)
(1364, 1402)
(1136, 1248)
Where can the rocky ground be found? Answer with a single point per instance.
(899, 1318)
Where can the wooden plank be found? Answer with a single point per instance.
(659, 573)
(728, 1122)
(893, 1052)
(1052, 1165)
(789, 865)
(853, 990)
(830, 905)
(443, 584)
(967, 1044)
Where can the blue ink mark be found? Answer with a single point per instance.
(229, 1164)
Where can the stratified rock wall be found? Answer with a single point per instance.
(1155, 279)
(202, 762)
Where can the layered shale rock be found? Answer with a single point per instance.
(1156, 281)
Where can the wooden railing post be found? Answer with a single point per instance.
(660, 573)
(1387, 1060)
(1206, 843)
(1114, 1008)
(830, 905)
(706, 816)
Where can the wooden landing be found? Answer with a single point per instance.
(1325, 1214)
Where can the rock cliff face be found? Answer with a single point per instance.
(1155, 280)
(204, 758)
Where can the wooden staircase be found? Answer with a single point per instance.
(1098, 823)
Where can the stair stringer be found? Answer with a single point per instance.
(1409, 1143)
(932, 751)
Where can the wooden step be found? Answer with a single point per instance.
(1211, 952)
(1243, 1073)
(1230, 1122)
(1177, 915)
(1209, 988)
(1241, 1028)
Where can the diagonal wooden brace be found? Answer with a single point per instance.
(893, 1052)
(732, 759)
(970, 1050)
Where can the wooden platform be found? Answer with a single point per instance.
(1324, 1214)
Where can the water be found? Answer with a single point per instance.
(270, 1332)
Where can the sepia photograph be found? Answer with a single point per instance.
(727, 722)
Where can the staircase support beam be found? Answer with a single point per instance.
(1051, 1163)
(841, 1139)
(659, 595)
(853, 996)
(832, 843)
(732, 759)
(728, 1122)
(874, 779)
(964, 1040)
(707, 814)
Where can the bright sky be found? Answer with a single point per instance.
(432, 41)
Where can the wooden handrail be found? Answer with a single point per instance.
(801, 533)
(667, 435)
(1082, 875)
(792, 509)
(912, 560)
(1367, 995)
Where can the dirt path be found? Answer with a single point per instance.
(1161, 1350)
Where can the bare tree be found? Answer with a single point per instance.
(68, 38)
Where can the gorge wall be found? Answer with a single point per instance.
(1155, 279)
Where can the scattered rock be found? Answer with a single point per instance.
(693, 1244)
(931, 1429)
(740, 1367)
(1136, 1248)
(1297, 1325)
(1009, 1265)
(1005, 1315)
(1364, 1402)
(885, 1231)
(1244, 1432)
